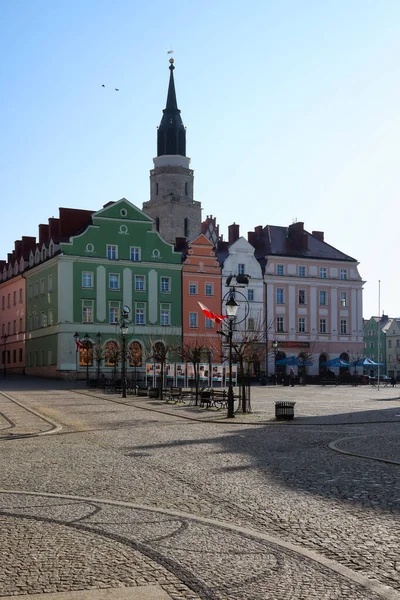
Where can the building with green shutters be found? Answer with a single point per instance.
(81, 283)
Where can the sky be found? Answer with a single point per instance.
(291, 109)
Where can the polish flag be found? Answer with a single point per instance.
(210, 315)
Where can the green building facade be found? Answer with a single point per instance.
(372, 339)
(116, 261)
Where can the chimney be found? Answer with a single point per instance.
(252, 238)
(43, 234)
(297, 236)
(10, 258)
(180, 244)
(18, 249)
(73, 220)
(54, 229)
(28, 244)
(319, 235)
(233, 233)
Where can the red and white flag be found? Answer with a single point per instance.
(210, 315)
(78, 345)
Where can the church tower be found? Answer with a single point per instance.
(171, 203)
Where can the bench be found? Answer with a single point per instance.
(174, 394)
(213, 398)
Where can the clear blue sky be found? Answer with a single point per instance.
(292, 112)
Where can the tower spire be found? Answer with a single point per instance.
(171, 135)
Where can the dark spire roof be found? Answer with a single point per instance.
(171, 135)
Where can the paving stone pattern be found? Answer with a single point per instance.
(281, 479)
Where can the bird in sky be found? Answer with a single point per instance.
(116, 89)
(102, 85)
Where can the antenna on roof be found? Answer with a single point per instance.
(294, 220)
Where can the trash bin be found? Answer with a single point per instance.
(284, 410)
(154, 392)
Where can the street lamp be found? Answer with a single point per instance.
(124, 329)
(98, 356)
(77, 345)
(4, 338)
(86, 340)
(275, 347)
(231, 311)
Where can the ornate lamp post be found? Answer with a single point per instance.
(77, 345)
(275, 347)
(4, 338)
(98, 356)
(231, 310)
(86, 340)
(124, 329)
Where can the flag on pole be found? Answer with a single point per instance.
(210, 315)
(78, 345)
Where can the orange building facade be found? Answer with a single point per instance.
(201, 282)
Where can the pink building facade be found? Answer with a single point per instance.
(12, 324)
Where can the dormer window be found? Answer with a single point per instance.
(31, 259)
(51, 250)
(16, 268)
(43, 253)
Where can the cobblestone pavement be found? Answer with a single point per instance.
(280, 480)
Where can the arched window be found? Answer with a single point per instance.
(156, 189)
(157, 224)
(135, 354)
(186, 227)
(186, 188)
(159, 353)
(111, 354)
(86, 354)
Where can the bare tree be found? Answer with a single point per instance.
(99, 353)
(196, 351)
(112, 355)
(160, 350)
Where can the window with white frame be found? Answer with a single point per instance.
(35, 291)
(250, 295)
(279, 270)
(193, 320)
(279, 324)
(322, 298)
(250, 324)
(389, 343)
(301, 271)
(209, 289)
(279, 295)
(209, 323)
(135, 254)
(112, 252)
(165, 314)
(322, 325)
(87, 311)
(343, 273)
(140, 313)
(42, 286)
(21, 325)
(9, 301)
(87, 279)
(50, 316)
(113, 311)
(29, 292)
(302, 325)
(165, 284)
(302, 296)
(192, 288)
(370, 332)
(113, 281)
(36, 321)
(20, 294)
(140, 283)
(343, 298)
(15, 297)
(241, 268)
(50, 283)
(43, 319)
(343, 326)
(323, 273)
(15, 326)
